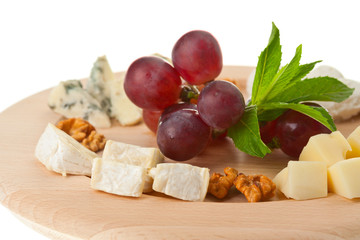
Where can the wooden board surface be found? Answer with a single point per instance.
(67, 208)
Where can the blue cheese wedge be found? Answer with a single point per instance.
(99, 83)
(60, 153)
(122, 108)
(146, 157)
(118, 178)
(110, 93)
(180, 180)
(71, 100)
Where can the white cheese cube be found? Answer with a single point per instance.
(328, 148)
(303, 180)
(118, 178)
(72, 101)
(146, 157)
(180, 180)
(60, 153)
(344, 178)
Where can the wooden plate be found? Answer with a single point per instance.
(67, 208)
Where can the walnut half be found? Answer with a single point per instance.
(255, 187)
(219, 185)
(83, 132)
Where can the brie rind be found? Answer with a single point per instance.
(146, 157)
(181, 180)
(118, 178)
(60, 153)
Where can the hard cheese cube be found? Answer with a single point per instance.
(344, 178)
(118, 178)
(134, 155)
(328, 148)
(181, 180)
(354, 141)
(303, 180)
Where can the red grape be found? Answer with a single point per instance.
(177, 107)
(151, 119)
(268, 131)
(182, 134)
(294, 130)
(221, 104)
(197, 57)
(151, 83)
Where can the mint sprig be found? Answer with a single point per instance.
(276, 89)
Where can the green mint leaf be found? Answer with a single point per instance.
(317, 113)
(315, 89)
(303, 70)
(269, 115)
(267, 66)
(283, 77)
(246, 134)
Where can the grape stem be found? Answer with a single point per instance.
(189, 92)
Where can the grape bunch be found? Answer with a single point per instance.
(183, 124)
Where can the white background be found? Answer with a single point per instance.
(44, 42)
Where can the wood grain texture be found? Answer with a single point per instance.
(67, 208)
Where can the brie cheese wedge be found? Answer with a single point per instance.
(181, 180)
(60, 153)
(118, 178)
(146, 157)
(72, 101)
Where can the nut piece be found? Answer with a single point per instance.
(219, 185)
(95, 141)
(255, 187)
(83, 132)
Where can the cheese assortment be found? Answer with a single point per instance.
(181, 180)
(335, 161)
(124, 169)
(62, 154)
(103, 98)
(133, 155)
(118, 178)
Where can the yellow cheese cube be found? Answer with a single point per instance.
(281, 181)
(344, 178)
(354, 141)
(328, 148)
(303, 180)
